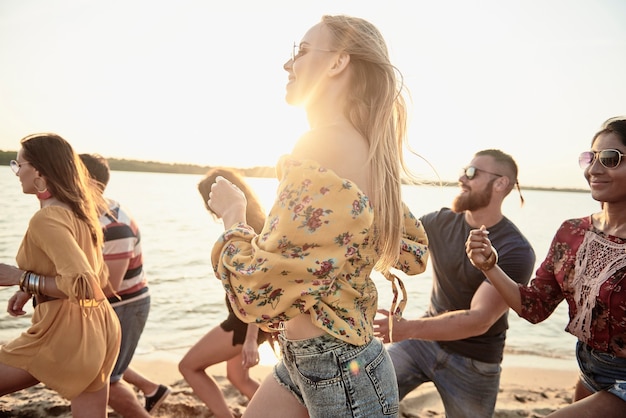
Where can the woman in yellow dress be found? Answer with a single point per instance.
(74, 339)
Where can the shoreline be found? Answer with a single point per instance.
(538, 362)
(512, 365)
(529, 386)
(525, 390)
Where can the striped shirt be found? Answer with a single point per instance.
(122, 239)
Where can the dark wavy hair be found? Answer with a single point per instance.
(255, 214)
(615, 125)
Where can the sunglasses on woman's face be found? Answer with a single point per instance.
(15, 166)
(609, 158)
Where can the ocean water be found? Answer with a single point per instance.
(187, 300)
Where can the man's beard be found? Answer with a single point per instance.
(473, 200)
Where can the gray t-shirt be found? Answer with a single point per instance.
(455, 279)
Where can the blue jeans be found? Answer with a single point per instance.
(334, 379)
(468, 388)
(601, 371)
(133, 316)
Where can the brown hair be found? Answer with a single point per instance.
(510, 166)
(98, 168)
(255, 214)
(66, 177)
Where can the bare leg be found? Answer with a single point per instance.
(214, 347)
(91, 404)
(239, 376)
(600, 404)
(581, 391)
(273, 400)
(14, 379)
(123, 400)
(147, 386)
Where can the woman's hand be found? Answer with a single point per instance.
(381, 326)
(9, 275)
(478, 246)
(15, 306)
(227, 201)
(401, 327)
(249, 353)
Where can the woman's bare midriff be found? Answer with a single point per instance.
(301, 328)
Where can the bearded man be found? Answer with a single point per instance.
(459, 342)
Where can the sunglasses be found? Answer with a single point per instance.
(297, 51)
(15, 166)
(470, 172)
(609, 158)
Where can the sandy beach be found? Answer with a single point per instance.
(524, 392)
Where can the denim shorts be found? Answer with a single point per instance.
(133, 316)
(332, 378)
(601, 371)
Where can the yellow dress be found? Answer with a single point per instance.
(71, 346)
(314, 255)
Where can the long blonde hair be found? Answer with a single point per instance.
(377, 109)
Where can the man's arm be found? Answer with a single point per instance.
(486, 308)
(117, 270)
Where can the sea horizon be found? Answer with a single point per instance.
(261, 171)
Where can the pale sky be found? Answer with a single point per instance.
(201, 81)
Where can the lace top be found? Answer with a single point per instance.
(586, 268)
(314, 255)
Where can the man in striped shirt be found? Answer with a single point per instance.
(131, 300)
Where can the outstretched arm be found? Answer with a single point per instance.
(46, 285)
(479, 250)
(486, 308)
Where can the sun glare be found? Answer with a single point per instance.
(182, 82)
(267, 357)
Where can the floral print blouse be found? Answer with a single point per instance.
(587, 268)
(314, 255)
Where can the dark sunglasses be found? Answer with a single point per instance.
(609, 158)
(470, 172)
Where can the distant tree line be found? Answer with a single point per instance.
(269, 172)
(157, 167)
